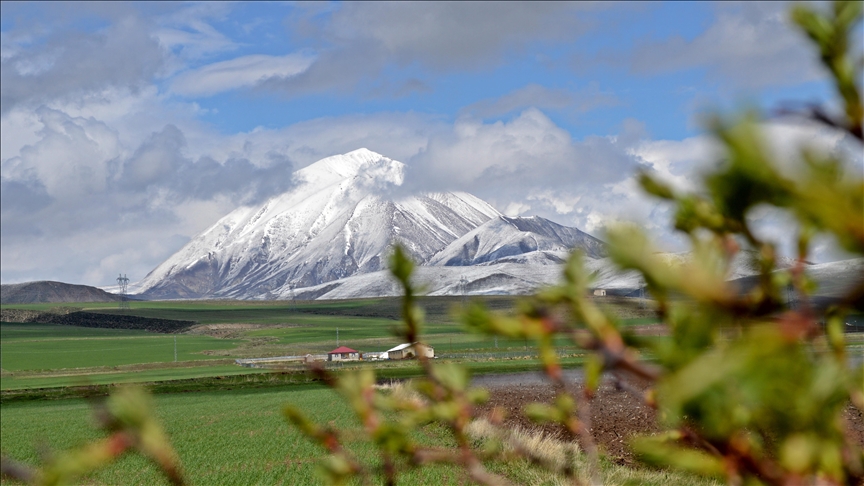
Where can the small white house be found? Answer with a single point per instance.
(409, 350)
(600, 292)
(343, 353)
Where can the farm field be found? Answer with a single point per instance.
(240, 437)
(45, 346)
(43, 355)
(38, 355)
(86, 377)
(226, 424)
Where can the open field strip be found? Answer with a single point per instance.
(386, 370)
(157, 375)
(240, 437)
(32, 346)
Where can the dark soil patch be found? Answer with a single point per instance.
(616, 416)
(98, 320)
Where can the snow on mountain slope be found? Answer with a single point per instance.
(835, 279)
(504, 237)
(514, 278)
(495, 279)
(334, 223)
(607, 276)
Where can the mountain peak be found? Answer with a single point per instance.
(351, 164)
(364, 152)
(339, 220)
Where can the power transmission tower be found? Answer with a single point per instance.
(123, 283)
(463, 283)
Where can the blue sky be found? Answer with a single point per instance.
(540, 108)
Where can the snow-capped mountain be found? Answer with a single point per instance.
(330, 235)
(336, 222)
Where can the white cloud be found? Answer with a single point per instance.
(360, 40)
(514, 209)
(67, 65)
(71, 159)
(239, 72)
(750, 45)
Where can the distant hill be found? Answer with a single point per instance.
(51, 292)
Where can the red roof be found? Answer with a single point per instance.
(342, 349)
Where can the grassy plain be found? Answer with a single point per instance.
(32, 346)
(240, 437)
(43, 355)
(226, 423)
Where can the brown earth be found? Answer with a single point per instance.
(75, 317)
(233, 330)
(616, 415)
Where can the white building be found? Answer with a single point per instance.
(408, 350)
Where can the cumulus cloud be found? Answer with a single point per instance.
(78, 183)
(67, 64)
(400, 136)
(529, 165)
(160, 165)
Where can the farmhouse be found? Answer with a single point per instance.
(600, 292)
(343, 353)
(408, 350)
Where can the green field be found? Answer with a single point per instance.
(240, 437)
(34, 346)
(226, 423)
(38, 355)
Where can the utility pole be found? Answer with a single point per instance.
(462, 284)
(123, 282)
(175, 348)
(337, 337)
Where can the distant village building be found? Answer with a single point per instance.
(408, 350)
(600, 293)
(343, 353)
(375, 356)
